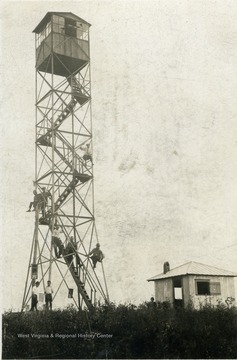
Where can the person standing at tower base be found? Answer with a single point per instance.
(34, 297)
(48, 295)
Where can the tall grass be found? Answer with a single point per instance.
(122, 332)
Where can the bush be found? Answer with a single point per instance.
(123, 331)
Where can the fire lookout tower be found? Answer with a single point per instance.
(64, 183)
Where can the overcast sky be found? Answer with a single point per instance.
(164, 90)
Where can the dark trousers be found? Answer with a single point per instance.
(58, 246)
(87, 157)
(42, 207)
(70, 261)
(48, 301)
(95, 259)
(34, 302)
(32, 204)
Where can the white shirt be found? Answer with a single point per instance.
(35, 290)
(56, 233)
(86, 149)
(48, 290)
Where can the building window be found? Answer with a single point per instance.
(58, 24)
(43, 34)
(80, 30)
(70, 27)
(215, 288)
(205, 287)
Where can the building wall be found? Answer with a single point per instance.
(71, 46)
(186, 290)
(43, 51)
(226, 285)
(62, 45)
(164, 290)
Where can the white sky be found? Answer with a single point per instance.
(164, 88)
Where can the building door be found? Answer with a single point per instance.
(178, 292)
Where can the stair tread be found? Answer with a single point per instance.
(78, 282)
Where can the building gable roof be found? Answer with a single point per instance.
(193, 268)
(47, 17)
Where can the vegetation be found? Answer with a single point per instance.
(124, 331)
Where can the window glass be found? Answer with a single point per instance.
(37, 40)
(48, 29)
(43, 34)
(208, 288)
(55, 28)
(79, 33)
(41, 37)
(61, 20)
(84, 31)
(58, 24)
(55, 19)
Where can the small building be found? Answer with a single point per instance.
(194, 283)
(62, 43)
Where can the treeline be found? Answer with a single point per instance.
(122, 332)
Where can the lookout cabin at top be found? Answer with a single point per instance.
(62, 43)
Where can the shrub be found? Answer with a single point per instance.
(133, 332)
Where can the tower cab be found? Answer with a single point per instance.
(62, 43)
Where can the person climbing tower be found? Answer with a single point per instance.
(57, 243)
(41, 200)
(44, 200)
(70, 251)
(87, 153)
(97, 255)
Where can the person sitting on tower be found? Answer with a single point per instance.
(44, 200)
(70, 251)
(37, 200)
(97, 255)
(87, 153)
(57, 243)
(41, 200)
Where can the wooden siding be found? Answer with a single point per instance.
(63, 45)
(227, 290)
(43, 51)
(70, 46)
(186, 290)
(164, 290)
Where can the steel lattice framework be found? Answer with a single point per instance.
(63, 126)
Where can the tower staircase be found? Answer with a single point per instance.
(78, 91)
(46, 140)
(76, 272)
(79, 95)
